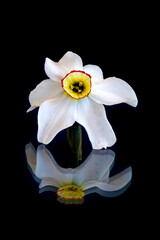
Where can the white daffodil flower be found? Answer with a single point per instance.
(76, 93)
(76, 183)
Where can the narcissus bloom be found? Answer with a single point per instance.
(76, 93)
(75, 183)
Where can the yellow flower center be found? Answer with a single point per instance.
(70, 192)
(77, 84)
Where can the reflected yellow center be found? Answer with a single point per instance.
(70, 201)
(70, 192)
(77, 84)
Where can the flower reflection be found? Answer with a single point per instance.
(71, 185)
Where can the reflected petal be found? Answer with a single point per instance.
(107, 193)
(114, 183)
(49, 182)
(95, 166)
(31, 156)
(48, 170)
(121, 179)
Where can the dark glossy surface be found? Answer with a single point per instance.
(118, 48)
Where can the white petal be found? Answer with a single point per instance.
(46, 166)
(47, 89)
(54, 70)
(115, 183)
(95, 72)
(113, 91)
(71, 61)
(49, 182)
(89, 184)
(31, 156)
(92, 116)
(94, 167)
(53, 116)
(118, 181)
(31, 108)
(48, 170)
(121, 179)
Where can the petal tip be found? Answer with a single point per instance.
(42, 138)
(136, 102)
(31, 108)
(133, 102)
(47, 59)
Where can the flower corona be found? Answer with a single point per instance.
(77, 84)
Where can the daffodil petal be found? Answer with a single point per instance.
(45, 90)
(31, 108)
(112, 91)
(95, 72)
(89, 184)
(71, 61)
(115, 183)
(55, 115)
(94, 167)
(54, 70)
(92, 117)
(49, 182)
(121, 178)
(48, 170)
(31, 156)
(46, 166)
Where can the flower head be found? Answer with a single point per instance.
(75, 183)
(76, 93)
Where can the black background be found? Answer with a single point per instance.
(120, 40)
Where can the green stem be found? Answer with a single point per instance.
(74, 137)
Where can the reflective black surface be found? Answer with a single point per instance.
(119, 48)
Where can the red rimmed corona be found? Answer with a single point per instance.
(77, 84)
